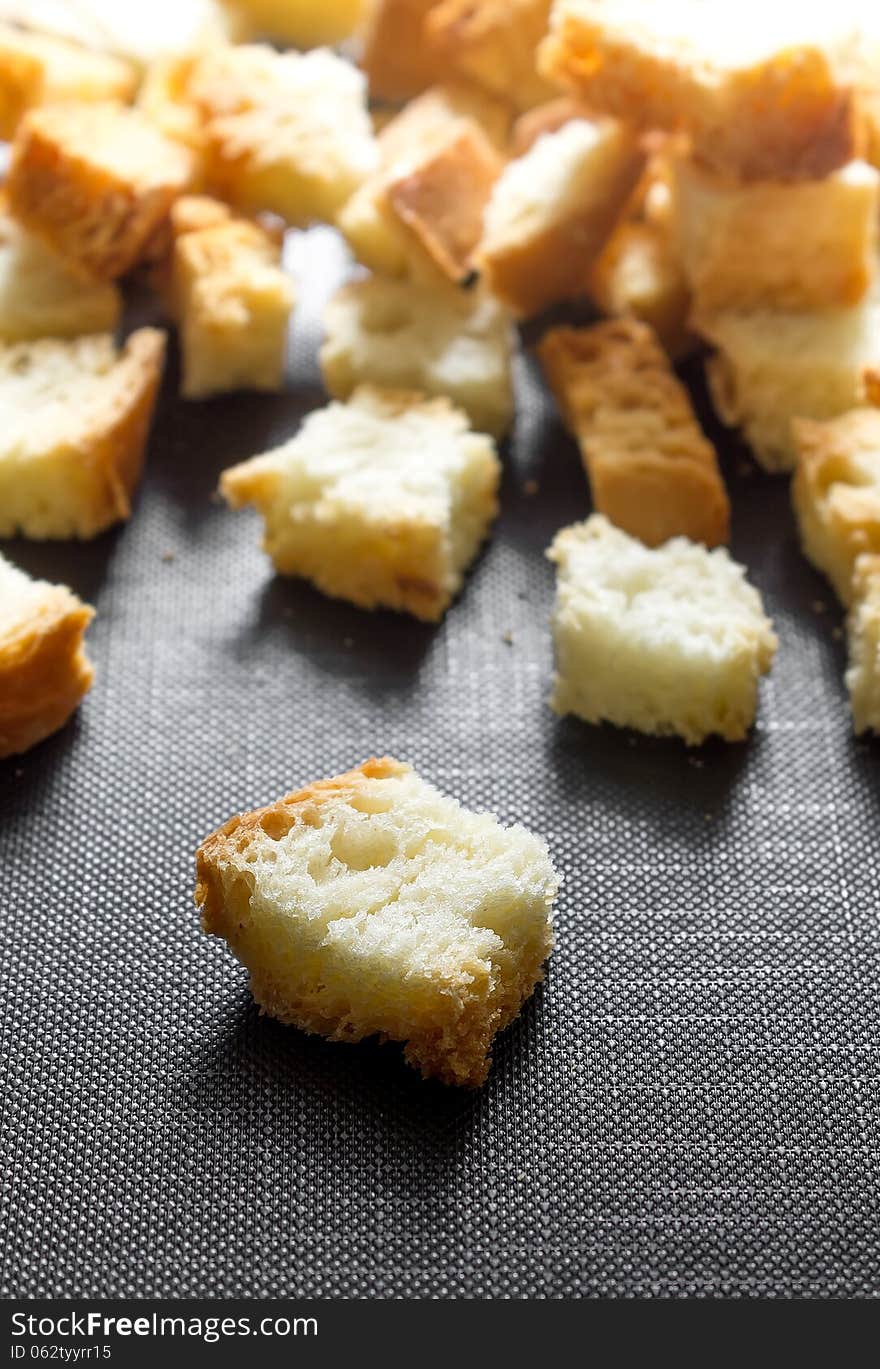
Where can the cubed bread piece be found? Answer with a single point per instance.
(763, 97)
(74, 419)
(548, 117)
(371, 904)
(396, 57)
(383, 501)
(863, 630)
(299, 23)
(494, 43)
(41, 297)
(44, 669)
(665, 640)
(37, 69)
(639, 275)
(95, 182)
(138, 33)
(232, 300)
(437, 340)
(772, 366)
(836, 493)
(651, 469)
(285, 132)
(164, 98)
(767, 245)
(552, 211)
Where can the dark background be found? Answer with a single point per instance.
(689, 1105)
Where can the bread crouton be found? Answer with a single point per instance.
(639, 275)
(41, 297)
(495, 44)
(552, 211)
(44, 669)
(383, 501)
(671, 640)
(763, 98)
(137, 33)
(95, 182)
(396, 57)
(37, 69)
(372, 905)
(863, 630)
(548, 117)
(75, 418)
(651, 470)
(439, 341)
(299, 23)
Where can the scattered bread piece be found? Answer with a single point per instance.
(836, 493)
(95, 182)
(552, 211)
(164, 98)
(545, 118)
(863, 629)
(773, 366)
(138, 33)
(44, 669)
(763, 97)
(494, 43)
(669, 640)
(37, 69)
(371, 904)
(74, 418)
(651, 470)
(639, 275)
(411, 337)
(383, 501)
(395, 55)
(299, 23)
(810, 245)
(41, 297)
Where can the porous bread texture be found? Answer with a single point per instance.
(810, 245)
(38, 69)
(301, 23)
(763, 96)
(383, 501)
(286, 132)
(552, 210)
(41, 297)
(664, 640)
(639, 275)
(395, 55)
(493, 43)
(44, 669)
(373, 905)
(74, 419)
(94, 181)
(863, 630)
(836, 493)
(413, 337)
(651, 469)
(773, 366)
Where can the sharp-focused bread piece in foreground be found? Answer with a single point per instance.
(44, 669)
(395, 55)
(95, 182)
(836, 493)
(493, 43)
(383, 501)
(811, 245)
(863, 629)
(763, 96)
(639, 275)
(41, 297)
(552, 211)
(773, 366)
(74, 420)
(651, 469)
(405, 336)
(299, 23)
(670, 640)
(371, 904)
(38, 69)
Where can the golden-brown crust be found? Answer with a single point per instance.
(838, 513)
(396, 58)
(638, 275)
(494, 43)
(37, 68)
(652, 471)
(44, 670)
(549, 117)
(117, 454)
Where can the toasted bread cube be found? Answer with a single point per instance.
(396, 57)
(299, 23)
(552, 211)
(164, 98)
(44, 669)
(811, 245)
(763, 98)
(863, 630)
(37, 69)
(74, 419)
(137, 33)
(383, 501)
(836, 493)
(285, 132)
(41, 297)
(371, 904)
(651, 470)
(494, 43)
(411, 337)
(773, 366)
(664, 640)
(639, 275)
(548, 117)
(95, 182)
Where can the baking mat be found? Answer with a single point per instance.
(688, 1106)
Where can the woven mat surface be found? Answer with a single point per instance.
(689, 1105)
